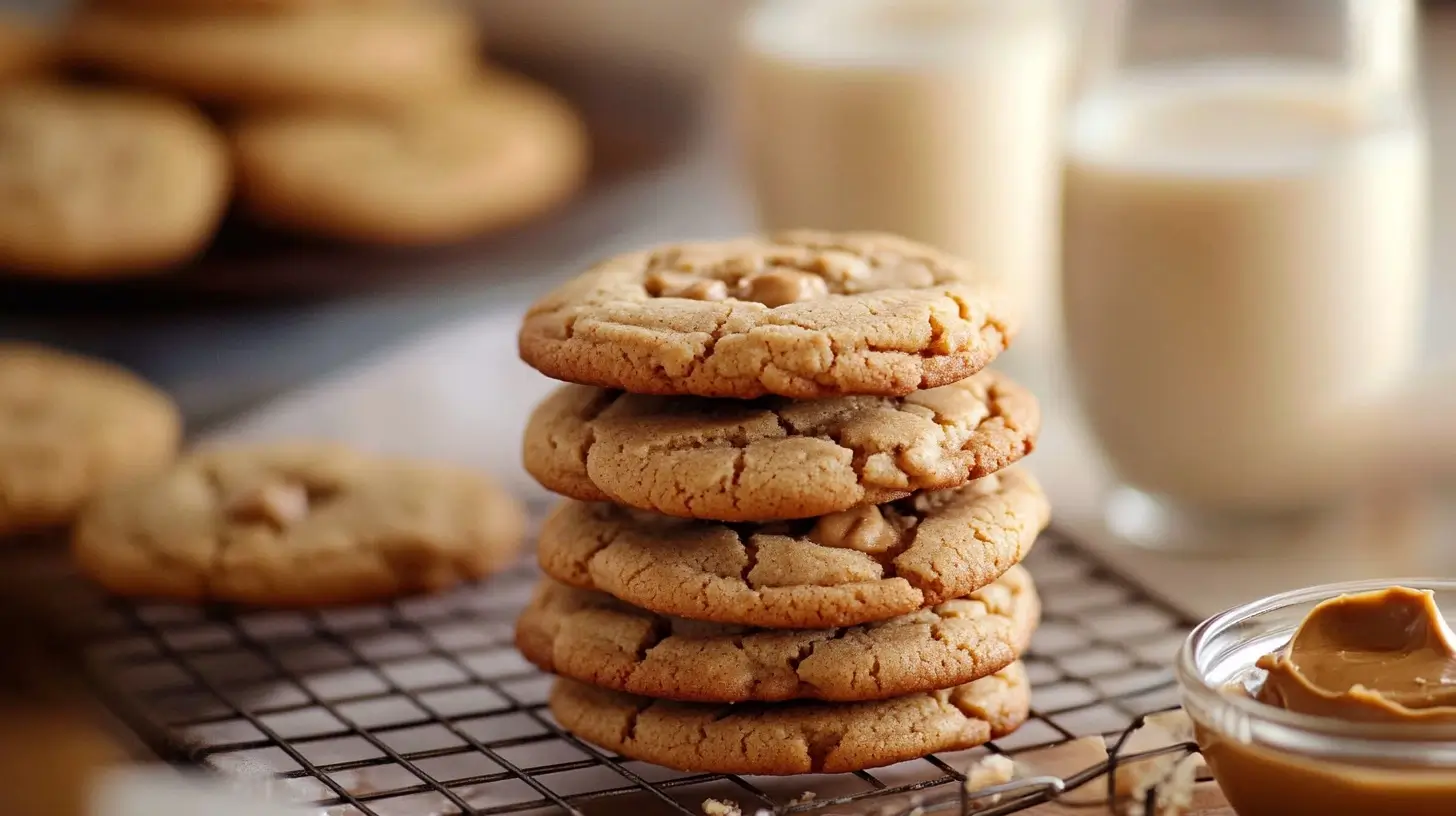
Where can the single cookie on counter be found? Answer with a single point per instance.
(105, 182)
(27, 49)
(868, 564)
(801, 314)
(796, 737)
(444, 170)
(317, 54)
(774, 458)
(297, 525)
(69, 428)
(593, 638)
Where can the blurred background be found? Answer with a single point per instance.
(654, 82)
(1226, 221)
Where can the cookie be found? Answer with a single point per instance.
(104, 182)
(774, 458)
(319, 54)
(496, 155)
(591, 637)
(70, 427)
(26, 49)
(800, 314)
(297, 525)
(797, 737)
(867, 564)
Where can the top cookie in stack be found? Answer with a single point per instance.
(795, 493)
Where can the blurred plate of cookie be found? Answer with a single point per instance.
(337, 179)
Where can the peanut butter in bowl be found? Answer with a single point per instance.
(1331, 700)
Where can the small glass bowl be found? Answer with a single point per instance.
(1272, 762)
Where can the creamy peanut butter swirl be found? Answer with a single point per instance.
(1383, 656)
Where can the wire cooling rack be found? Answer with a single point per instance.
(423, 707)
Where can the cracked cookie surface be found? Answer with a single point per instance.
(795, 737)
(69, 427)
(593, 638)
(368, 54)
(297, 525)
(774, 458)
(843, 569)
(800, 314)
(105, 182)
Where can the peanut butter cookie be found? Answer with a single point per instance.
(70, 427)
(800, 314)
(797, 737)
(105, 182)
(297, 525)
(591, 637)
(867, 564)
(359, 54)
(445, 170)
(774, 458)
(26, 49)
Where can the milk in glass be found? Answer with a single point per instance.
(935, 119)
(1244, 259)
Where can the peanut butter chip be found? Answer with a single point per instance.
(863, 528)
(277, 503)
(684, 285)
(782, 286)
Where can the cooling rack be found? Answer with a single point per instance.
(423, 707)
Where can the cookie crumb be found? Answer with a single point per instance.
(719, 807)
(993, 770)
(1065, 759)
(804, 798)
(1172, 795)
(1158, 731)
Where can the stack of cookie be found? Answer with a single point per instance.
(793, 537)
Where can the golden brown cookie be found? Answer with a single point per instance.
(71, 427)
(800, 314)
(297, 525)
(796, 737)
(363, 54)
(594, 638)
(774, 458)
(445, 170)
(26, 48)
(104, 182)
(867, 564)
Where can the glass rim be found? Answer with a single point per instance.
(1376, 738)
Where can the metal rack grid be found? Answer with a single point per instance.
(424, 707)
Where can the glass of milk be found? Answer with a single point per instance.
(1244, 255)
(935, 119)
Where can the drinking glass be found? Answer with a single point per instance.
(1244, 256)
(935, 119)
